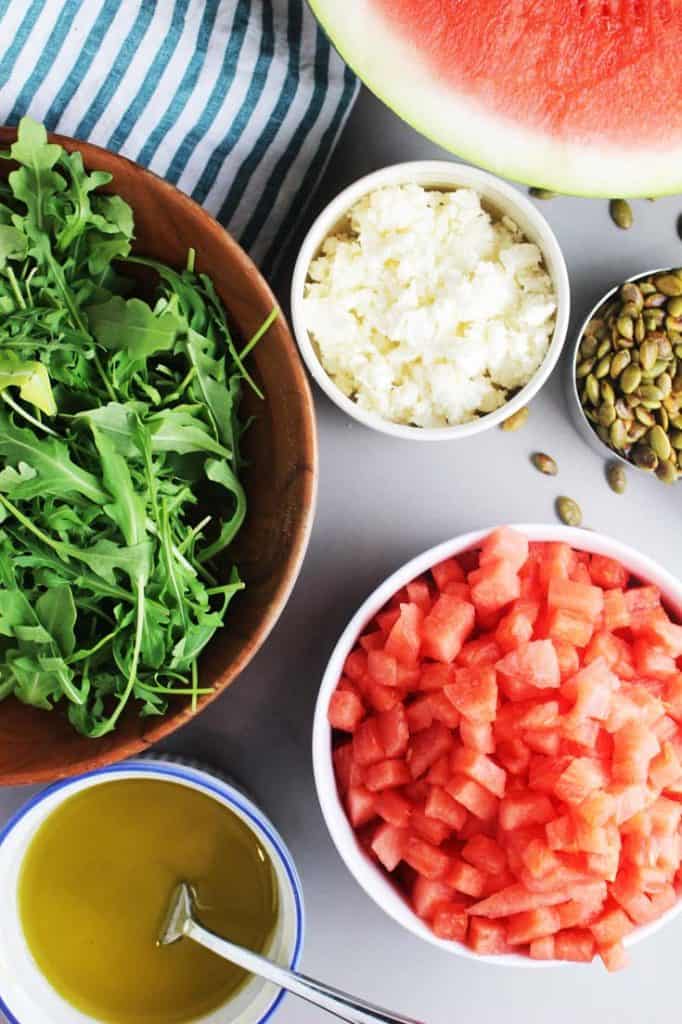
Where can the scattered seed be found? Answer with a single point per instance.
(516, 420)
(617, 480)
(569, 511)
(621, 213)
(542, 193)
(545, 463)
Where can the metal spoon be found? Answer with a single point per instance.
(181, 923)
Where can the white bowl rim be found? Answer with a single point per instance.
(215, 786)
(370, 877)
(431, 174)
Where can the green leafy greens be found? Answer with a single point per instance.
(119, 426)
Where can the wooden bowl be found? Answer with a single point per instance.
(39, 746)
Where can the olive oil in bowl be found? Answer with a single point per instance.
(94, 887)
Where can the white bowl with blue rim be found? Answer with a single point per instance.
(26, 997)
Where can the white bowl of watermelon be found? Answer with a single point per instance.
(497, 746)
(430, 325)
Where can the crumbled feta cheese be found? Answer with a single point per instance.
(427, 311)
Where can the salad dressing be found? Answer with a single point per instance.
(94, 888)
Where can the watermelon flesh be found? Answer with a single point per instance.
(534, 793)
(542, 92)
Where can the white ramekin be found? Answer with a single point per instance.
(25, 995)
(497, 196)
(372, 879)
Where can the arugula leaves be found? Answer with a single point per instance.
(119, 427)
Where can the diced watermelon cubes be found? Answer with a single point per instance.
(477, 735)
(449, 571)
(633, 748)
(579, 779)
(487, 937)
(534, 664)
(360, 805)
(450, 922)
(382, 667)
(388, 845)
(426, 859)
(542, 949)
(509, 746)
(428, 895)
(484, 853)
(579, 598)
(532, 924)
(367, 746)
(518, 810)
(466, 878)
(614, 957)
(474, 693)
(426, 747)
(446, 627)
(470, 794)
(393, 807)
(346, 710)
(506, 545)
(569, 627)
(494, 586)
(443, 807)
(393, 731)
(607, 573)
(404, 640)
(387, 775)
(575, 944)
(481, 768)
(611, 927)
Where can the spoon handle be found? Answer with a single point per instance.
(342, 1005)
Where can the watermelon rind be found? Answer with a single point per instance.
(397, 73)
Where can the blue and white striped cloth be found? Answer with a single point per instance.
(237, 102)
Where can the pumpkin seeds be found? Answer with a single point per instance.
(630, 379)
(619, 362)
(516, 420)
(621, 213)
(542, 193)
(644, 457)
(659, 441)
(669, 284)
(617, 480)
(607, 414)
(545, 463)
(569, 511)
(629, 371)
(618, 434)
(667, 471)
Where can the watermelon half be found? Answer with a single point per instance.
(578, 96)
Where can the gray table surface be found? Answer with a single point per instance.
(382, 501)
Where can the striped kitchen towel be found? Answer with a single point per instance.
(237, 102)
